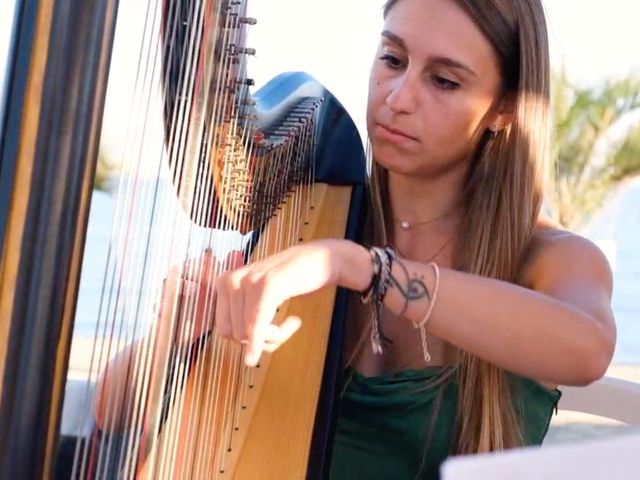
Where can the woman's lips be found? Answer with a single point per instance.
(392, 135)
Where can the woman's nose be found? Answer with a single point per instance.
(402, 96)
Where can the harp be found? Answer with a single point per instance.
(250, 173)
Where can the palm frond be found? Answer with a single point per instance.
(583, 117)
(105, 169)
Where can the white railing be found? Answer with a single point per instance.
(608, 397)
(614, 457)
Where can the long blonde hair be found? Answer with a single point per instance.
(503, 197)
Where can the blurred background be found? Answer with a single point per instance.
(596, 98)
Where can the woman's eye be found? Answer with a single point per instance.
(444, 83)
(391, 61)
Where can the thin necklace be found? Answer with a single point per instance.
(406, 224)
(432, 257)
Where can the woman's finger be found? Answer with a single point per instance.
(234, 260)
(260, 309)
(221, 318)
(211, 268)
(276, 335)
(236, 310)
(208, 268)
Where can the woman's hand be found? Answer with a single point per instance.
(187, 300)
(249, 297)
(185, 314)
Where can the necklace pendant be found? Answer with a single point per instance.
(405, 225)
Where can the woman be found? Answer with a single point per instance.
(481, 306)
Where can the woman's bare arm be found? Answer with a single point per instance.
(561, 330)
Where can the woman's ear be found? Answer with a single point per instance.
(505, 113)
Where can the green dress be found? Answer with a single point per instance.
(383, 423)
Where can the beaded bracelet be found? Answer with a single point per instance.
(382, 259)
(387, 255)
(367, 293)
(421, 325)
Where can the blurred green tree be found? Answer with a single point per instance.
(105, 169)
(587, 164)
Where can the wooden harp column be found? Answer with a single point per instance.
(56, 86)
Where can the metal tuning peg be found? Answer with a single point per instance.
(250, 82)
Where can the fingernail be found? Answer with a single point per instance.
(250, 359)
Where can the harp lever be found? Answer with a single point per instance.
(246, 81)
(235, 50)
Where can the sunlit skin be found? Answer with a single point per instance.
(556, 328)
(427, 84)
(435, 88)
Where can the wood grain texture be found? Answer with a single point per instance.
(279, 434)
(17, 217)
(221, 429)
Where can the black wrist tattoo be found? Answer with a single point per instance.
(416, 288)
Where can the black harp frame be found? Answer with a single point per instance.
(56, 88)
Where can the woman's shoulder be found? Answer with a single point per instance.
(553, 251)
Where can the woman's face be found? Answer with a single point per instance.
(432, 88)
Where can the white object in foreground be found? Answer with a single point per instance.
(616, 458)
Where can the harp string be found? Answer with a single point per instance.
(231, 403)
(215, 130)
(210, 413)
(191, 417)
(243, 382)
(149, 359)
(145, 353)
(194, 403)
(145, 363)
(237, 372)
(136, 195)
(179, 367)
(179, 378)
(80, 459)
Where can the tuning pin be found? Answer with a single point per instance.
(234, 50)
(250, 82)
(248, 20)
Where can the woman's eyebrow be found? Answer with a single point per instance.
(446, 61)
(394, 38)
(450, 62)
